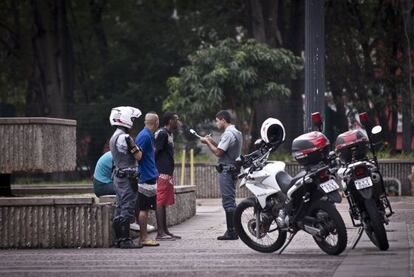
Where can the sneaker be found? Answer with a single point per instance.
(150, 228)
(135, 226)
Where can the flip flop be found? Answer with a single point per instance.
(165, 238)
(174, 236)
(150, 242)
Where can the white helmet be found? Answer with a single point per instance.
(124, 116)
(272, 131)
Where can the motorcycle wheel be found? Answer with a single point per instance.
(270, 237)
(328, 219)
(374, 227)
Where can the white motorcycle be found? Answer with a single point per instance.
(281, 204)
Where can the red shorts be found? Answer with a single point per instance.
(165, 190)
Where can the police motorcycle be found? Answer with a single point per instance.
(283, 204)
(362, 182)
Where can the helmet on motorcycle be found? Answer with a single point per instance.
(124, 116)
(272, 131)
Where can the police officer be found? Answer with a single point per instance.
(227, 150)
(125, 155)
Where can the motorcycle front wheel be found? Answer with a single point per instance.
(334, 238)
(267, 238)
(374, 227)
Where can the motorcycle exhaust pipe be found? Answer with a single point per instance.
(312, 230)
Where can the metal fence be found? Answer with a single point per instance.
(206, 181)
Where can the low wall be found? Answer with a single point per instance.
(56, 222)
(207, 182)
(37, 144)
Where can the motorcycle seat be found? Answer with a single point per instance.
(286, 181)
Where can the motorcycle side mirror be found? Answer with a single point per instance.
(376, 138)
(376, 130)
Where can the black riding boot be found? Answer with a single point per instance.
(116, 233)
(230, 234)
(125, 241)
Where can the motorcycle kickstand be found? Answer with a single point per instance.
(360, 231)
(288, 242)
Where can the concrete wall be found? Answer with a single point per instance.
(55, 222)
(37, 144)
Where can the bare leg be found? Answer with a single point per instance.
(161, 228)
(166, 226)
(143, 219)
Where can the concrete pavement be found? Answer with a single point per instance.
(200, 254)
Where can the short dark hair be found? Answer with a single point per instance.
(167, 116)
(223, 114)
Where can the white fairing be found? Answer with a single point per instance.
(263, 183)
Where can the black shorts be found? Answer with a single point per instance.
(144, 202)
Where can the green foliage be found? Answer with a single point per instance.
(230, 74)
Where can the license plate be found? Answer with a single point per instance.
(363, 183)
(329, 186)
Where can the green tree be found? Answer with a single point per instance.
(231, 74)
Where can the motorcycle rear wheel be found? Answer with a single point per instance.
(329, 219)
(270, 237)
(374, 227)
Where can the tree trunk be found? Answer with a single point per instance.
(51, 82)
(96, 9)
(257, 21)
(407, 99)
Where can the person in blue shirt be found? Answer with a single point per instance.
(148, 174)
(102, 177)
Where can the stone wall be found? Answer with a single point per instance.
(37, 144)
(56, 222)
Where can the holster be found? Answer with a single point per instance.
(133, 182)
(230, 169)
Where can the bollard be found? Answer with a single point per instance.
(192, 167)
(182, 168)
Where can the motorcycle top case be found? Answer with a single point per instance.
(350, 145)
(310, 148)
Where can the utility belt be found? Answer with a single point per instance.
(229, 169)
(225, 168)
(126, 173)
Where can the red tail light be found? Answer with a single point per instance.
(360, 172)
(363, 118)
(316, 118)
(324, 175)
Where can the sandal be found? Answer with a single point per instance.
(150, 242)
(174, 236)
(165, 238)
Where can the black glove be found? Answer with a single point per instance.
(132, 147)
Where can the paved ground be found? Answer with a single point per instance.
(200, 254)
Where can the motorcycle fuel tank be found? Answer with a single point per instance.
(310, 148)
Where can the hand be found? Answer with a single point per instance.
(209, 137)
(204, 140)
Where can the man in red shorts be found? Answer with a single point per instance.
(164, 158)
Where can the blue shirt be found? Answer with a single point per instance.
(146, 166)
(103, 168)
